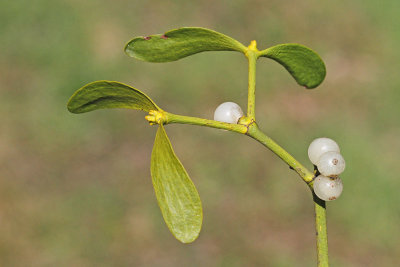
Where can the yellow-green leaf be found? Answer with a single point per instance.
(177, 196)
(180, 43)
(306, 67)
(108, 94)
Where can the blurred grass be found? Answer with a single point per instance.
(76, 190)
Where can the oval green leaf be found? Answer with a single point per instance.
(305, 65)
(108, 94)
(180, 43)
(176, 194)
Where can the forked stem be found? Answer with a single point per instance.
(245, 126)
(248, 126)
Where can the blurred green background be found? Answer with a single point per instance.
(75, 190)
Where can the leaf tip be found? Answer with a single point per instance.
(71, 105)
(70, 108)
(188, 239)
(129, 48)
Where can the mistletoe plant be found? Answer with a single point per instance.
(176, 194)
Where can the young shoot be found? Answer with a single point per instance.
(176, 194)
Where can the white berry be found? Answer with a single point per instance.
(331, 164)
(228, 112)
(327, 188)
(319, 146)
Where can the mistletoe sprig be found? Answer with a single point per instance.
(177, 196)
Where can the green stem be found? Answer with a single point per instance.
(251, 98)
(252, 130)
(258, 135)
(321, 232)
(173, 118)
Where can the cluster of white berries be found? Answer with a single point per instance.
(325, 154)
(228, 112)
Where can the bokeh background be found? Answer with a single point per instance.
(75, 190)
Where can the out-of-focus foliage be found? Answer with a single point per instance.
(76, 190)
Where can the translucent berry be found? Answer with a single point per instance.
(228, 112)
(319, 146)
(331, 164)
(327, 188)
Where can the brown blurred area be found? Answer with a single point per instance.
(75, 190)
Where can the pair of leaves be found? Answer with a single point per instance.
(305, 66)
(176, 194)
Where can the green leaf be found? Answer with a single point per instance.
(107, 94)
(177, 196)
(306, 67)
(180, 43)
